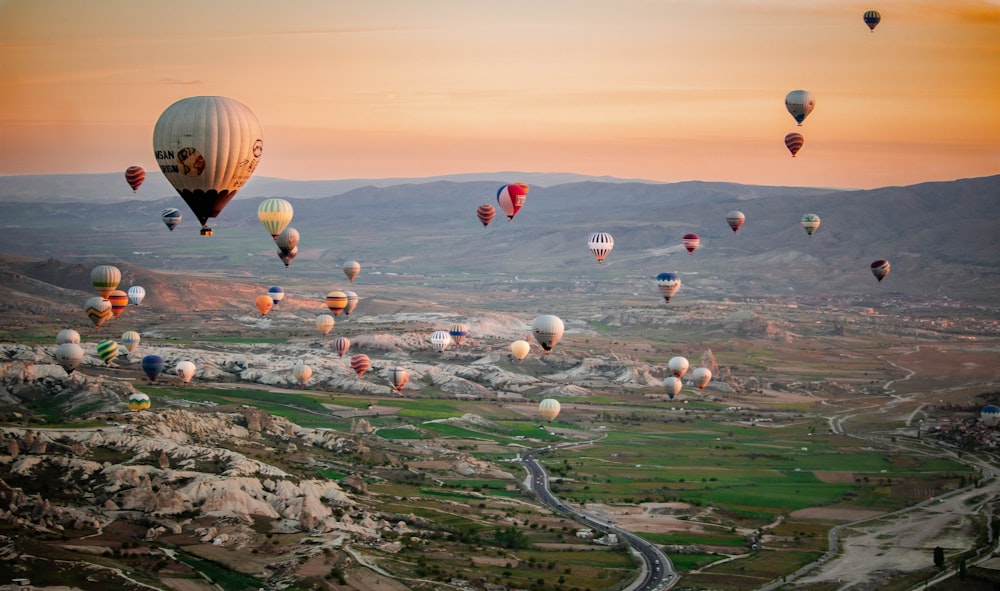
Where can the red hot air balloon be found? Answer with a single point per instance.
(134, 176)
(691, 242)
(880, 269)
(794, 141)
(511, 197)
(735, 219)
(485, 213)
(360, 363)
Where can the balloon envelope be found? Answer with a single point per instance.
(691, 242)
(277, 294)
(341, 345)
(440, 340)
(352, 302)
(880, 269)
(67, 335)
(548, 329)
(185, 370)
(351, 269)
(360, 363)
(701, 376)
(302, 373)
(810, 222)
(511, 198)
(134, 175)
(668, 284)
(673, 386)
(520, 349)
(264, 304)
(136, 294)
(872, 18)
(678, 366)
(69, 356)
(398, 377)
(207, 147)
(600, 245)
(485, 213)
(990, 415)
(98, 310)
(105, 279)
(171, 216)
(275, 215)
(138, 401)
(735, 219)
(336, 301)
(152, 366)
(799, 104)
(458, 332)
(794, 142)
(325, 322)
(119, 301)
(130, 339)
(107, 350)
(549, 409)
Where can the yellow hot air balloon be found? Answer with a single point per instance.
(105, 279)
(138, 401)
(264, 304)
(130, 339)
(207, 147)
(336, 301)
(520, 349)
(549, 409)
(275, 215)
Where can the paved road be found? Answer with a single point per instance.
(657, 572)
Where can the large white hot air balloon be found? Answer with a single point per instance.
(440, 340)
(799, 104)
(207, 147)
(548, 329)
(678, 366)
(600, 244)
(549, 409)
(185, 370)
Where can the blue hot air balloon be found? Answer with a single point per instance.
(152, 366)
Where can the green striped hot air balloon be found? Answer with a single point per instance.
(275, 215)
(107, 350)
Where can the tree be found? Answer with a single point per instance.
(938, 556)
(961, 570)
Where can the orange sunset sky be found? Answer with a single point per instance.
(666, 90)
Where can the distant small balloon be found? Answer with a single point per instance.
(98, 310)
(360, 363)
(138, 401)
(600, 244)
(485, 213)
(152, 366)
(264, 304)
(351, 270)
(691, 242)
(135, 295)
(701, 376)
(799, 104)
(520, 349)
(668, 284)
(107, 350)
(880, 269)
(130, 339)
(325, 322)
(69, 356)
(185, 370)
(275, 215)
(134, 176)
(341, 345)
(794, 142)
(872, 18)
(735, 220)
(810, 222)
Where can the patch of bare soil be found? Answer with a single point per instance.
(363, 579)
(828, 514)
(187, 584)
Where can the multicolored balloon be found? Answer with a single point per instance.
(275, 215)
(69, 356)
(136, 294)
(341, 345)
(325, 322)
(990, 415)
(810, 222)
(691, 242)
(548, 330)
(668, 284)
(458, 332)
(351, 270)
(336, 301)
(277, 294)
(872, 18)
(398, 377)
(600, 245)
(880, 269)
(105, 279)
(119, 301)
(799, 104)
(134, 176)
(485, 213)
(171, 216)
(107, 350)
(794, 142)
(185, 370)
(152, 366)
(208, 147)
(735, 219)
(138, 401)
(549, 409)
(130, 339)
(511, 198)
(360, 363)
(98, 310)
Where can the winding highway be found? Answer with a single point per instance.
(657, 572)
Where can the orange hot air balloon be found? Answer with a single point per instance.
(398, 377)
(264, 303)
(119, 301)
(360, 363)
(336, 301)
(134, 176)
(485, 213)
(794, 142)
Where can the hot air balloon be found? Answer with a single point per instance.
(352, 302)
(485, 213)
(138, 401)
(277, 294)
(360, 364)
(678, 366)
(134, 175)
(511, 198)
(341, 345)
(264, 304)
(549, 409)
(136, 294)
(398, 377)
(119, 301)
(105, 279)
(810, 222)
(600, 244)
(794, 141)
(207, 147)
(336, 301)
(872, 18)
(152, 365)
(735, 219)
(990, 415)
(287, 256)
(673, 386)
(458, 332)
(107, 350)
(98, 310)
(302, 373)
(520, 349)
(130, 339)
(171, 216)
(185, 370)
(548, 329)
(880, 269)
(351, 269)
(440, 340)
(275, 215)
(325, 322)
(69, 356)
(288, 239)
(67, 335)
(799, 104)
(701, 376)
(691, 242)
(668, 283)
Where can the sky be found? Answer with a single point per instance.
(664, 90)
